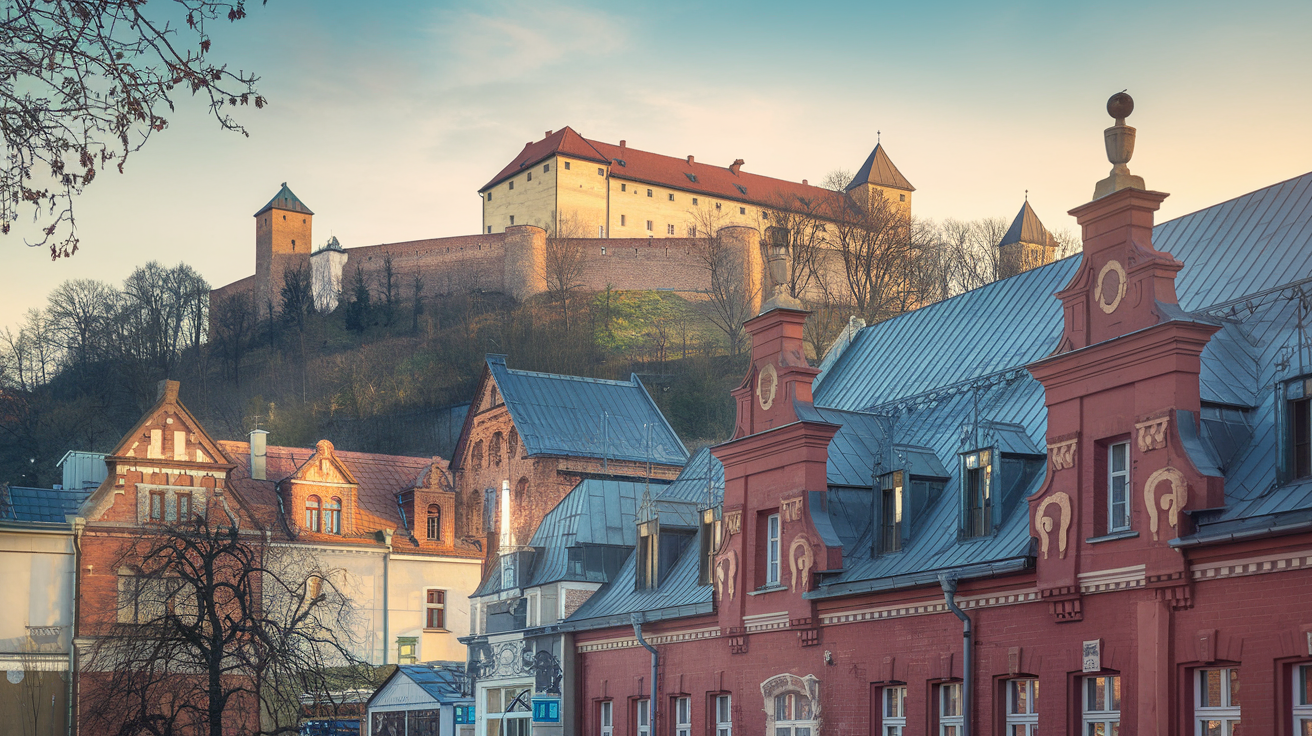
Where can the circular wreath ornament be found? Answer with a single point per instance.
(14, 676)
(1111, 267)
(767, 383)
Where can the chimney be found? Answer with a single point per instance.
(690, 159)
(736, 165)
(507, 540)
(548, 134)
(258, 454)
(623, 143)
(804, 182)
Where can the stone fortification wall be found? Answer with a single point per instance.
(444, 264)
(631, 264)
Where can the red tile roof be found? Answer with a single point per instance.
(635, 165)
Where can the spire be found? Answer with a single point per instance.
(880, 171)
(285, 200)
(1027, 228)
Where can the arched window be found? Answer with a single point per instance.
(333, 516)
(494, 450)
(792, 705)
(476, 457)
(521, 490)
(513, 451)
(312, 507)
(434, 521)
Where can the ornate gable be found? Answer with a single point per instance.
(324, 467)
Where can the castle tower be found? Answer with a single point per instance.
(1027, 244)
(282, 240)
(879, 175)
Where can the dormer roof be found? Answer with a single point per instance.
(879, 170)
(285, 200)
(1026, 228)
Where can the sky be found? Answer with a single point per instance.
(386, 118)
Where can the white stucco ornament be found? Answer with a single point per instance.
(767, 383)
(1108, 268)
(14, 676)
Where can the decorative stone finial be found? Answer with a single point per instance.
(779, 261)
(1120, 148)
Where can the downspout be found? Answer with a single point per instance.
(655, 668)
(949, 583)
(387, 558)
(79, 524)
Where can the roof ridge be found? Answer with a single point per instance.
(585, 379)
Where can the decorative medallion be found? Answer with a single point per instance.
(726, 569)
(791, 509)
(801, 558)
(1152, 433)
(1062, 454)
(767, 382)
(1044, 523)
(1172, 502)
(1109, 305)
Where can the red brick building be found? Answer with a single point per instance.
(1006, 511)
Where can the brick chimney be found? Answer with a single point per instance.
(736, 165)
(690, 159)
(548, 134)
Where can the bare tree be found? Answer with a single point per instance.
(83, 85)
(730, 291)
(564, 261)
(215, 628)
(232, 323)
(872, 237)
(1069, 243)
(836, 180)
(80, 310)
(799, 222)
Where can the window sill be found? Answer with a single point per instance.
(1127, 534)
(437, 631)
(767, 589)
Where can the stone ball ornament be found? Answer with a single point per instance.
(1120, 105)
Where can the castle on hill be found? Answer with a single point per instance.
(641, 213)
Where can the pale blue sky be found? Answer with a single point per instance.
(386, 118)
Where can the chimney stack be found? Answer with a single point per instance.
(259, 454)
(507, 540)
(804, 182)
(623, 143)
(548, 134)
(690, 159)
(736, 165)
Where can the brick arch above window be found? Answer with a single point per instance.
(494, 450)
(476, 456)
(512, 450)
(434, 522)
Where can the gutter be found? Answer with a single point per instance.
(655, 668)
(928, 577)
(949, 583)
(79, 525)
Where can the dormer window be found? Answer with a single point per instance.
(313, 512)
(772, 550)
(977, 493)
(890, 486)
(648, 554)
(1299, 433)
(434, 522)
(333, 516)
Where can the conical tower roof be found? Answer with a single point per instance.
(880, 171)
(285, 200)
(1027, 228)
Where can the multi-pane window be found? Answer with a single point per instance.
(435, 609)
(184, 506)
(692, 230)
(742, 210)
(950, 719)
(772, 550)
(157, 505)
(977, 494)
(407, 649)
(895, 710)
(509, 710)
(723, 716)
(669, 229)
(434, 521)
(891, 511)
(648, 192)
(793, 715)
(682, 717)
(333, 516)
(1102, 706)
(567, 163)
(1216, 702)
(644, 718)
(1302, 702)
(546, 168)
(606, 717)
(1118, 487)
(649, 226)
(1022, 707)
(313, 510)
(694, 201)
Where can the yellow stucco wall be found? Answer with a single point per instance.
(631, 208)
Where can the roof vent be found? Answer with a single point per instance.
(736, 165)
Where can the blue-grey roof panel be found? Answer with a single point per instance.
(48, 505)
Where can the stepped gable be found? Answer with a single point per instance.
(879, 170)
(285, 200)
(1027, 228)
(564, 141)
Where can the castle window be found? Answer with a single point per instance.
(622, 219)
(717, 205)
(772, 550)
(489, 232)
(284, 217)
(512, 219)
(742, 210)
(977, 494)
(669, 229)
(512, 184)
(434, 522)
(692, 231)
(546, 168)
(694, 201)
(1118, 487)
(435, 609)
(901, 197)
(302, 220)
(671, 197)
(333, 516)
(494, 450)
(765, 215)
(1299, 433)
(313, 508)
(649, 226)
(530, 176)
(601, 171)
(891, 511)
(567, 166)
(648, 192)
(623, 187)
(513, 451)
(476, 457)
(489, 196)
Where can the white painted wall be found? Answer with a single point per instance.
(36, 577)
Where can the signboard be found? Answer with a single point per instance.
(1093, 656)
(465, 714)
(546, 710)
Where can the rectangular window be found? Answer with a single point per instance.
(546, 168)
(435, 609)
(1022, 707)
(509, 711)
(530, 176)
(977, 498)
(793, 715)
(489, 196)
(567, 165)
(1118, 487)
(895, 710)
(717, 205)
(157, 505)
(512, 219)
(682, 717)
(694, 201)
(601, 171)
(184, 506)
(407, 649)
(648, 192)
(950, 721)
(622, 220)
(901, 197)
(489, 229)
(512, 184)
(772, 550)
(742, 210)
(1300, 437)
(644, 725)
(891, 511)
(671, 197)
(692, 231)
(649, 226)
(623, 187)
(723, 716)
(1216, 702)
(606, 718)
(669, 229)
(601, 231)
(1302, 702)
(1102, 705)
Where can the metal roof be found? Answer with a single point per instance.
(48, 505)
(285, 200)
(441, 681)
(878, 169)
(1027, 228)
(586, 417)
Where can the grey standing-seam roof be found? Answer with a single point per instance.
(45, 505)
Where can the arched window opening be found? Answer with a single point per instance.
(476, 457)
(521, 491)
(513, 452)
(494, 450)
(333, 520)
(434, 521)
(312, 511)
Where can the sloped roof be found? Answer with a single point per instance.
(564, 141)
(285, 200)
(441, 682)
(1026, 228)
(879, 170)
(586, 417)
(47, 505)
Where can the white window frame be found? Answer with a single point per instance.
(894, 698)
(606, 717)
(683, 716)
(794, 725)
(723, 715)
(1301, 703)
(950, 720)
(503, 715)
(772, 536)
(643, 717)
(1022, 717)
(1118, 520)
(1107, 713)
(1224, 715)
